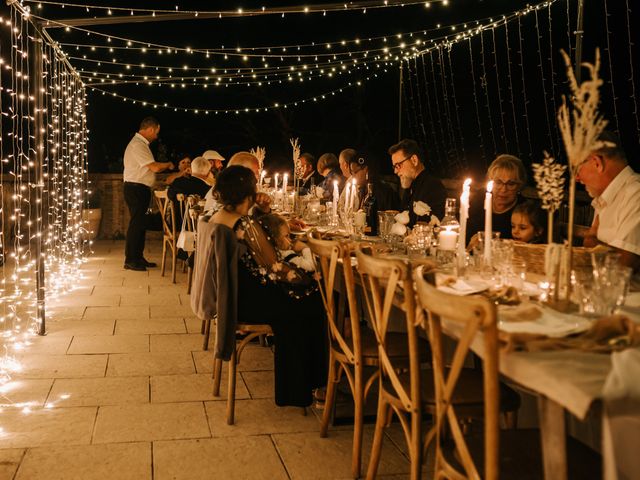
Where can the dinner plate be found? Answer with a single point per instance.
(550, 323)
(464, 287)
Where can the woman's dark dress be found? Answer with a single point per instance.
(300, 362)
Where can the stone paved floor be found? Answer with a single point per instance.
(121, 389)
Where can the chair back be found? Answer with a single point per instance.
(330, 258)
(387, 282)
(470, 316)
(168, 214)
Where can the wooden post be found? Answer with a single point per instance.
(400, 104)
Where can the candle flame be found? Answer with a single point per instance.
(490, 186)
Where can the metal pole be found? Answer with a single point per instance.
(38, 95)
(579, 34)
(400, 104)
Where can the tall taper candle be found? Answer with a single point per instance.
(488, 226)
(336, 197)
(464, 215)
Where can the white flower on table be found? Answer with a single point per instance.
(402, 218)
(398, 229)
(421, 209)
(319, 192)
(434, 221)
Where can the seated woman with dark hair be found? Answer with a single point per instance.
(329, 168)
(238, 278)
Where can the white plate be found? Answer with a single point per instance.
(464, 287)
(551, 323)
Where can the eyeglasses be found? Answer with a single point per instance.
(396, 166)
(508, 185)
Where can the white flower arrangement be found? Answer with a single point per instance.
(400, 226)
(297, 164)
(421, 208)
(549, 177)
(402, 217)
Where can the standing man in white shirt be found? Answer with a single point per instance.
(615, 189)
(139, 176)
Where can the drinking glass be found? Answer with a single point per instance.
(385, 222)
(596, 297)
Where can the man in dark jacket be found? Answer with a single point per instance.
(415, 183)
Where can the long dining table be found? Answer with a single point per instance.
(563, 381)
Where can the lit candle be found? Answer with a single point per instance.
(447, 239)
(488, 227)
(464, 215)
(262, 175)
(354, 194)
(276, 184)
(285, 179)
(347, 198)
(336, 197)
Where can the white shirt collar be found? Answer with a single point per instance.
(143, 139)
(613, 188)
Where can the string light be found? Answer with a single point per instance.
(248, 12)
(631, 76)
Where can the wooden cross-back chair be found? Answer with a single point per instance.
(472, 315)
(351, 348)
(384, 282)
(184, 204)
(169, 237)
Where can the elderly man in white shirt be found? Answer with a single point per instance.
(139, 176)
(615, 189)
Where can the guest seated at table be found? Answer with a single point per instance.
(615, 189)
(294, 253)
(416, 184)
(309, 177)
(194, 184)
(215, 159)
(509, 178)
(184, 169)
(238, 278)
(363, 170)
(528, 223)
(344, 159)
(329, 168)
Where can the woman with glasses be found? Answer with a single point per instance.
(509, 178)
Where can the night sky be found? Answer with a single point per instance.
(365, 116)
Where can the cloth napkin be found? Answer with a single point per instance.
(621, 419)
(607, 334)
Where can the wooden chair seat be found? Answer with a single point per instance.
(396, 346)
(521, 456)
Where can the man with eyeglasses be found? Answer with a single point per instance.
(416, 184)
(615, 189)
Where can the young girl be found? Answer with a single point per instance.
(528, 223)
(296, 253)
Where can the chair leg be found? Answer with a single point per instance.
(358, 402)
(207, 331)
(164, 258)
(330, 396)
(174, 266)
(217, 374)
(202, 326)
(376, 447)
(189, 280)
(262, 341)
(231, 393)
(415, 449)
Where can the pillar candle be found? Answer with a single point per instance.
(447, 239)
(285, 179)
(354, 194)
(336, 197)
(262, 175)
(488, 227)
(276, 183)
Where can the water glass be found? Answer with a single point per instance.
(596, 297)
(385, 222)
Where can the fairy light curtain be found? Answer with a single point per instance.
(42, 194)
(494, 88)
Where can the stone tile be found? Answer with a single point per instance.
(170, 289)
(109, 281)
(211, 459)
(45, 426)
(85, 289)
(136, 364)
(63, 314)
(22, 390)
(255, 417)
(176, 343)
(175, 310)
(117, 313)
(49, 344)
(109, 344)
(190, 388)
(254, 358)
(185, 299)
(151, 278)
(194, 325)
(259, 384)
(120, 291)
(103, 326)
(62, 366)
(149, 299)
(307, 456)
(82, 392)
(147, 326)
(156, 421)
(88, 300)
(119, 460)
(9, 461)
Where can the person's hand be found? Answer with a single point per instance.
(475, 240)
(263, 202)
(297, 246)
(296, 224)
(590, 241)
(170, 166)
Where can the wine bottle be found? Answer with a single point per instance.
(370, 207)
